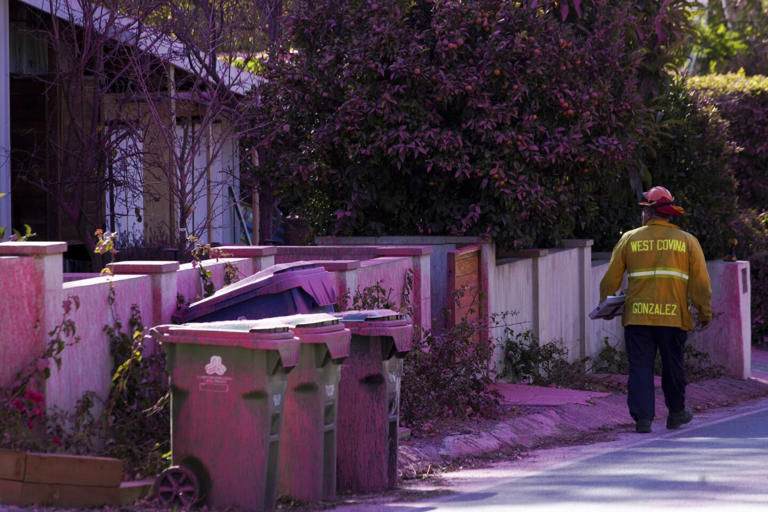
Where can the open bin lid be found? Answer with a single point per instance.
(384, 323)
(247, 334)
(311, 277)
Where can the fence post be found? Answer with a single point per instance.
(164, 285)
(728, 339)
(345, 272)
(584, 247)
(43, 279)
(262, 256)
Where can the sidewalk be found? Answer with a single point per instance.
(552, 416)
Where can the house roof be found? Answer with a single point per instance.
(132, 32)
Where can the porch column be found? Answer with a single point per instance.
(5, 117)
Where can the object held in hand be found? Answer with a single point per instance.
(612, 306)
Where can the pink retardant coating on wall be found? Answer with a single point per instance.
(369, 400)
(227, 395)
(307, 460)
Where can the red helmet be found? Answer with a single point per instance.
(661, 200)
(655, 195)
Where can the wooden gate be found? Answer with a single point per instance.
(465, 297)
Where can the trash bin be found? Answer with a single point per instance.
(228, 382)
(307, 460)
(369, 400)
(279, 290)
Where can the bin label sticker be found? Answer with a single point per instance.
(276, 399)
(215, 367)
(214, 383)
(330, 389)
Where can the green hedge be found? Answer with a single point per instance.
(690, 151)
(743, 102)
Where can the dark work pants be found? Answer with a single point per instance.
(642, 341)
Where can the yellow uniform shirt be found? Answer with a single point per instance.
(665, 267)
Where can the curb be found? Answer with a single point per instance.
(561, 424)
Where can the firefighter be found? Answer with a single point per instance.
(665, 269)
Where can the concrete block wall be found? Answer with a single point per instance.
(359, 267)
(34, 287)
(543, 291)
(30, 301)
(87, 365)
(439, 246)
(550, 290)
(727, 340)
(553, 291)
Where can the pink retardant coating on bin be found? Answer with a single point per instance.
(263, 295)
(227, 393)
(307, 461)
(386, 323)
(369, 400)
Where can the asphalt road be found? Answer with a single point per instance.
(718, 462)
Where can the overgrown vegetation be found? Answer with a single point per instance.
(136, 416)
(447, 375)
(529, 361)
(547, 364)
(468, 117)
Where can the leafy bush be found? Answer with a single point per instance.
(743, 101)
(733, 39)
(136, 417)
(420, 117)
(691, 154)
(446, 375)
(527, 360)
(698, 364)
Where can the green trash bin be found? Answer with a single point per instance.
(307, 461)
(228, 382)
(369, 400)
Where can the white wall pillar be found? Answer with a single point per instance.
(584, 246)
(5, 116)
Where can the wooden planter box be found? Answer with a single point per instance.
(65, 480)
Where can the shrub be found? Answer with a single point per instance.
(479, 117)
(691, 154)
(529, 361)
(446, 375)
(698, 364)
(743, 102)
(136, 417)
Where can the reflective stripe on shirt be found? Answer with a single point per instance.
(657, 272)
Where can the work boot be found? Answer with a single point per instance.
(643, 426)
(679, 418)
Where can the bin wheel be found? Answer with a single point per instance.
(178, 486)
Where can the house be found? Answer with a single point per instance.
(143, 143)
